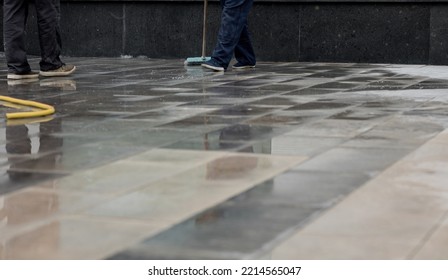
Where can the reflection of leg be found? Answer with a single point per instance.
(236, 136)
(17, 140)
(50, 145)
(233, 20)
(49, 142)
(244, 52)
(18, 143)
(3, 218)
(48, 16)
(15, 13)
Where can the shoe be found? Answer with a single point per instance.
(211, 64)
(64, 70)
(241, 66)
(24, 75)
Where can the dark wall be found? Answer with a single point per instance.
(334, 31)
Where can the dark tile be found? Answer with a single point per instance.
(312, 91)
(272, 34)
(146, 36)
(210, 144)
(154, 137)
(320, 106)
(241, 110)
(427, 86)
(241, 227)
(331, 32)
(103, 22)
(279, 87)
(438, 51)
(242, 133)
(13, 180)
(274, 101)
(336, 85)
(204, 121)
(278, 119)
(358, 115)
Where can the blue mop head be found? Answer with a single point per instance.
(196, 60)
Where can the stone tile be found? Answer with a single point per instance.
(150, 140)
(435, 248)
(208, 144)
(275, 101)
(319, 105)
(308, 146)
(332, 128)
(74, 238)
(248, 223)
(181, 195)
(241, 133)
(362, 160)
(337, 85)
(310, 91)
(26, 208)
(242, 110)
(405, 130)
(154, 137)
(118, 177)
(391, 217)
(371, 142)
(13, 180)
(174, 157)
(359, 114)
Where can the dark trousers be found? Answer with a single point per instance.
(15, 13)
(233, 34)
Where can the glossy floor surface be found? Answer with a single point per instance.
(148, 159)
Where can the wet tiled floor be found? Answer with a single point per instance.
(149, 159)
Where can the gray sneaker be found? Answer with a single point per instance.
(22, 76)
(62, 71)
(211, 64)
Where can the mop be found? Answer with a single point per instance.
(199, 60)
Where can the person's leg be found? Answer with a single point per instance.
(233, 20)
(244, 52)
(15, 13)
(48, 15)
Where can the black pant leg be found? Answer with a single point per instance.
(48, 17)
(15, 13)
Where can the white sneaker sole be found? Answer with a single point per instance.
(56, 74)
(216, 68)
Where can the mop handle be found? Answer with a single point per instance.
(204, 28)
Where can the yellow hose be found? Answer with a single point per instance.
(46, 109)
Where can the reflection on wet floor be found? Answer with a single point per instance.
(174, 162)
